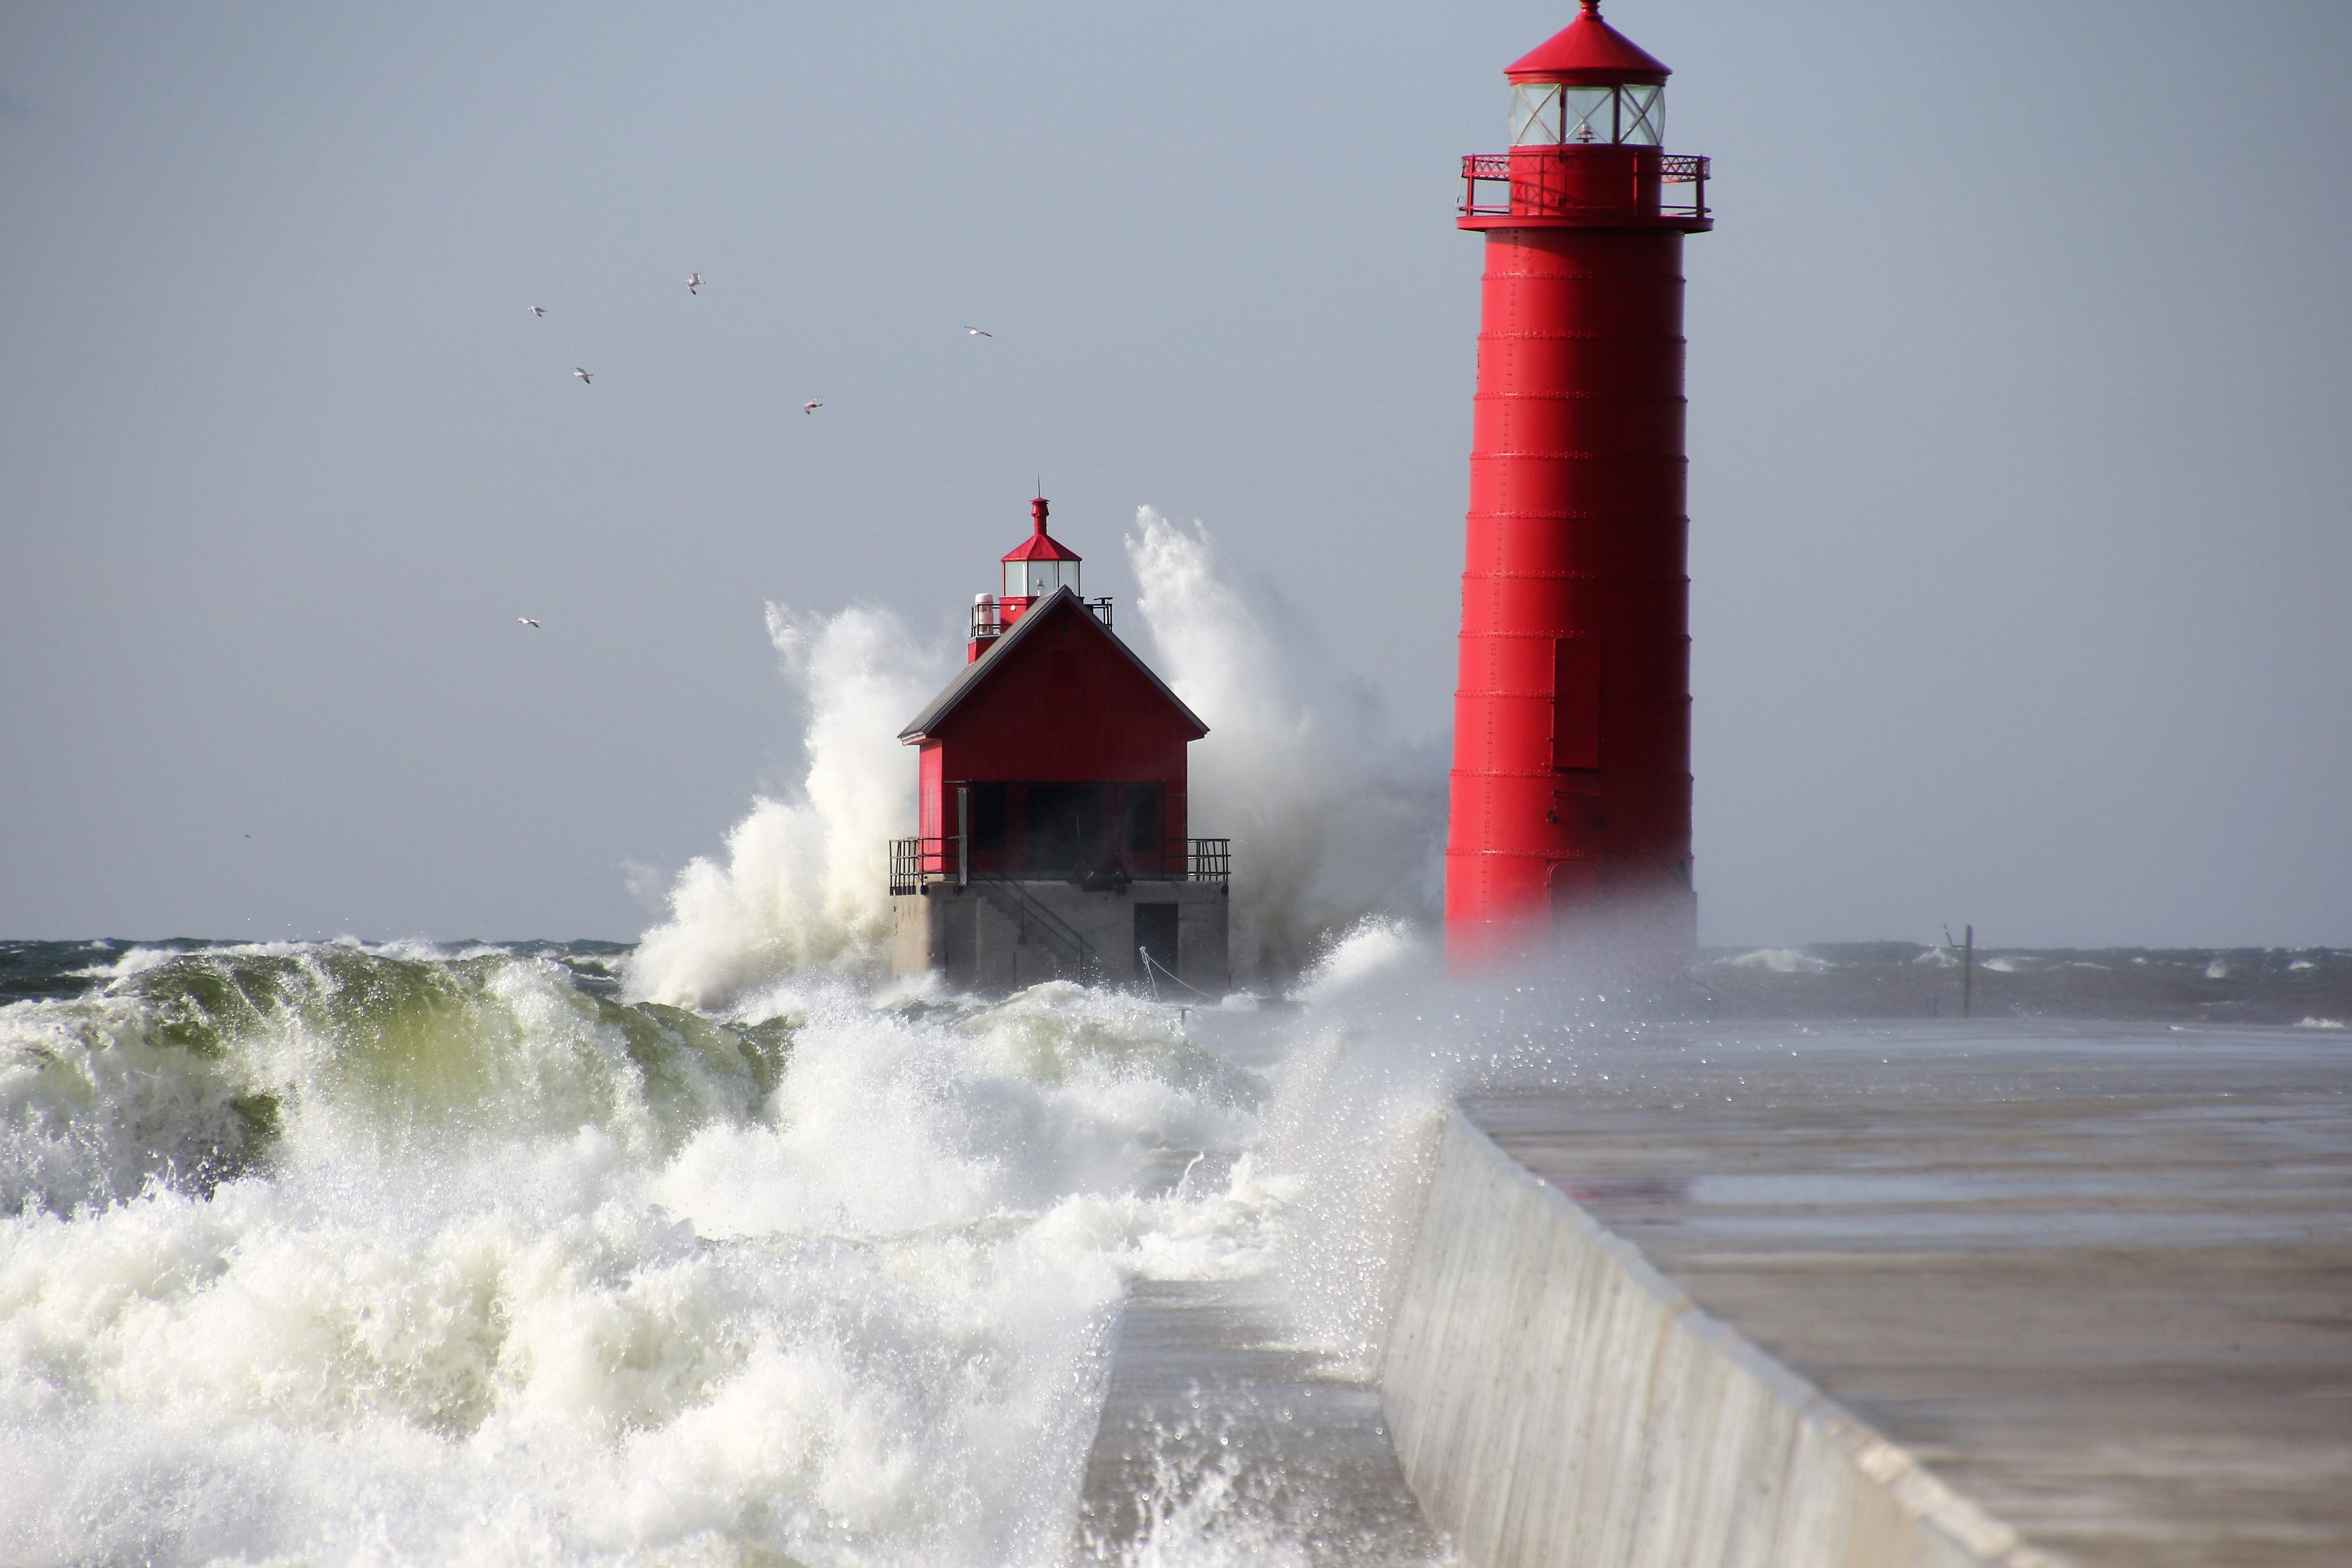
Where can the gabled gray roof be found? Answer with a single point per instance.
(980, 669)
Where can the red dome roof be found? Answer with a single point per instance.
(1588, 52)
(1041, 545)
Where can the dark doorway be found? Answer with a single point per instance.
(1066, 830)
(1142, 834)
(1155, 933)
(988, 822)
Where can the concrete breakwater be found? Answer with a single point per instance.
(1555, 1399)
(2016, 1294)
(1921, 1296)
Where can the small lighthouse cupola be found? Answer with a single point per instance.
(1038, 564)
(1036, 569)
(1587, 83)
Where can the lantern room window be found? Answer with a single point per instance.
(1036, 579)
(1642, 115)
(1549, 114)
(1535, 114)
(1587, 114)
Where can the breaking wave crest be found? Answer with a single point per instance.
(1291, 733)
(804, 886)
(351, 1253)
(194, 1068)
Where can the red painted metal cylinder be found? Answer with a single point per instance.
(1572, 783)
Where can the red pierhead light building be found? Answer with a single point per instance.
(1570, 794)
(1053, 832)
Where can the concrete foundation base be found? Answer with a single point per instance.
(995, 936)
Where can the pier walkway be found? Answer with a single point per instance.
(2095, 1280)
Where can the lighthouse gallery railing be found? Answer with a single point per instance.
(917, 864)
(1493, 170)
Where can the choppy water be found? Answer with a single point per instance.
(2306, 986)
(361, 1254)
(345, 1253)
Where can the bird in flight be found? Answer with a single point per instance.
(581, 372)
(539, 310)
(528, 622)
(812, 404)
(694, 283)
(977, 333)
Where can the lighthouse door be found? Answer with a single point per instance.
(1575, 888)
(1155, 934)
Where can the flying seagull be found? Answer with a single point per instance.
(977, 333)
(694, 283)
(812, 404)
(581, 372)
(539, 310)
(528, 622)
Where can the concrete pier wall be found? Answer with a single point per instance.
(1554, 1399)
(976, 935)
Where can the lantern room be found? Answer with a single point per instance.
(1040, 564)
(1587, 83)
(1588, 134)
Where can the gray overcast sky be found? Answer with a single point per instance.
(2020, 444)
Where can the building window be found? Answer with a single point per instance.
(1535, 114)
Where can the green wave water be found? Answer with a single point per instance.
(338, 1253)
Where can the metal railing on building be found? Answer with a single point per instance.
(988, 617)
(916, 864)
(1534, 197)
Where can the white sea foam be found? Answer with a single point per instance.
(805, 885)
(1333, 818)
(533, 1277)
(1358, 1104)
(1779, 961)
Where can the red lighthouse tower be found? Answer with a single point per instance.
(1571, 818)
